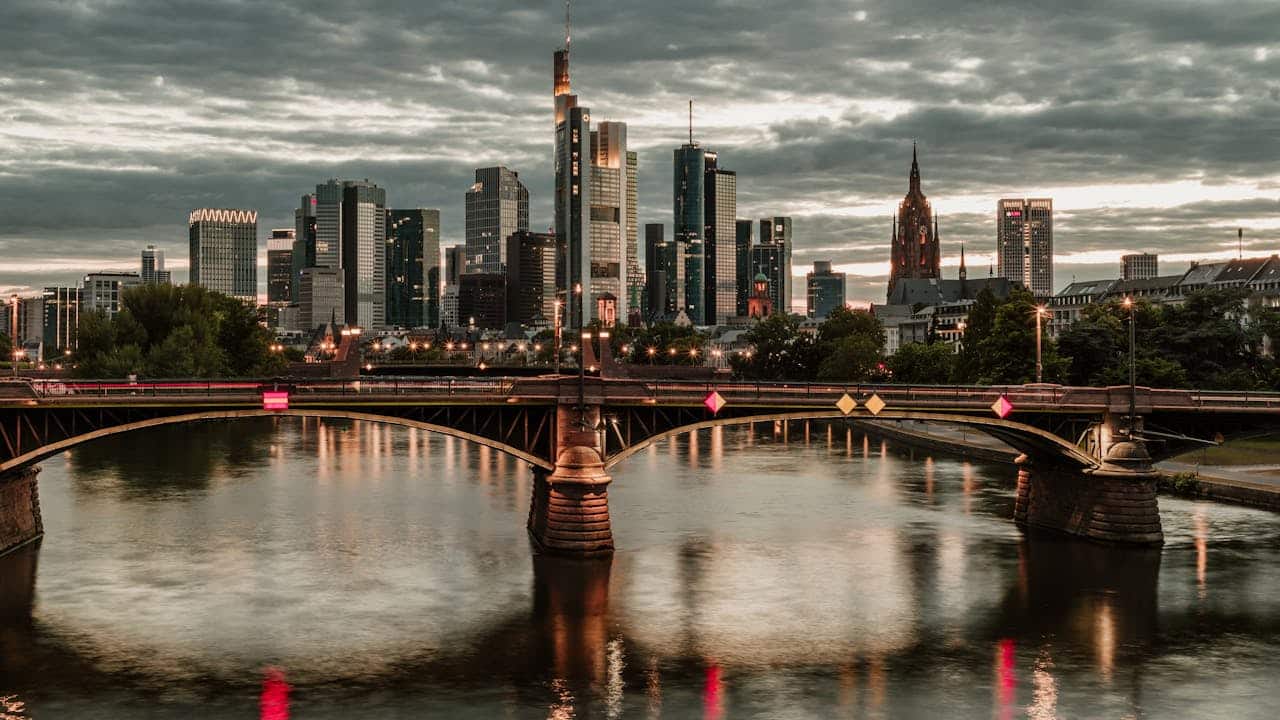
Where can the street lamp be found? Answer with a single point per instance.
(1133, 368)
(17, 357)
(1040, 313)
(961, 326)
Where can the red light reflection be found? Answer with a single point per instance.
(274, 703)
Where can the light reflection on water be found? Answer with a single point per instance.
(327, 569)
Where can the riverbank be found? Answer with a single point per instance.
(1218, 483)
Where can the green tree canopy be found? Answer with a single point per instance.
(923, 364)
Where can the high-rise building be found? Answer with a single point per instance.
(664, 273)
(153, 272)
(914, 250)
(455, 264)
(1024, 243)
(720, 238)
(776, 233)
(101, 291)
(744, 230)
(350, 234)
(482, 301)
(607, 227)
(24, 322)
(573, 161)
(413, 268)
(304, 242)
(320, 298)
(824, 289)
(224, 251)
(61, 319)
(1140, 266)
(497, 206)
(688, 199)
(531, 277)
(635, 274)
(280, 266)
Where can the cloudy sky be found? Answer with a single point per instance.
(1153, 124)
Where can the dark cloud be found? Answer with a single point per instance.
(117, 117)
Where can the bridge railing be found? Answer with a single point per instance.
(299, 387)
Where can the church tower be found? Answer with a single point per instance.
(914, 244)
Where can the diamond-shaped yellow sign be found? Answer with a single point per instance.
(875, 405)
(846, 404)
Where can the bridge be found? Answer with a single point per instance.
(1085, 467)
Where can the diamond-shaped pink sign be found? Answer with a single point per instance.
(714, 402)
(1002, 407)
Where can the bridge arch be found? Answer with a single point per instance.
(1033, 441)
(35, 455)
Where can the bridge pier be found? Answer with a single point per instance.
(1114, 503)
(569, 511)
(20, 521)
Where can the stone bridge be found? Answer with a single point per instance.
(1085, 467)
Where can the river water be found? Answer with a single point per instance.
(279, 568)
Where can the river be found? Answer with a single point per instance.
(283, 567)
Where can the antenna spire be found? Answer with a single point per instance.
(690, 121)
(1239, 243)
(566, 25)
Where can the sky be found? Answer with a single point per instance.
(1153, 124)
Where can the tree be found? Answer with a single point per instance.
(781, 351)
(852, 359)
(663, 338)
(979, 326)
(922, 364)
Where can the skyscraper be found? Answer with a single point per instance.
(455, 263)
(743, 233)
(350, 234)
(776, 233)
(497, 206)
(720, 238)
(304, 242)
(320, 297)
(280, 266)
(61, 319)
(824, 290)
(767, 261)
(482, 300)
(914, 243)
(688, 198)
(224, 251)
(1140, 266)
(531, 277)
(664, 273)
(413, 268)
(153, 272)
(573, 162)
(102, 291)
(1024, 243)
(635, 274)
(608, 217)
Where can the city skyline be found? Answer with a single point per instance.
(812, 134)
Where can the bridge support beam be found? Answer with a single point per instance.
(1115, 503)
(569, 511)
(20, 521)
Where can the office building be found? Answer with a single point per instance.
(280, 266)
(1140, 266)
(573, 161)
(497, 205)
(824, 289)
(743, 233)
(350, 235)
(61, 319)
(688, 198)
(320, 298)
(153, 272)
(449, 306)
(413, 268)
(224, 251)
(102, 291)
(1024, 243)
(607, 224)
(720, 242)
(914, 244)
(664, 272)
(776, 232)
(25, 323)
(767, 260)
(455, 264)
(304, 242)
(531, 278)
(635, 273)
(482, 301)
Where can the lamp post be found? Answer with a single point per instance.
(556, 336)
(17, 355)
(1039, 361)
(1133, 367)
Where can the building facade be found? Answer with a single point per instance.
(914, 252)
(720, 242)
(320, 298)
(776, 233)
(824, 289)
(413, 268)
(688, 205)
(61, 319)
(531, 278)
(1139, 266)
(280, 266)
(224, 251)
(664, 273)
(1024, 243)
(608, 218)
(744, 230)
(497, 205)
(482, 301)
(767, 260)
(153, 272)
(304, 242)
(573, 161)
(102, 291)
(635, 273)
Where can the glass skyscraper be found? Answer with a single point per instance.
(224, 251)
(280, 266)
(824, 290)
(744, 229)
(497, 206)
(720, 242)
(1024, 243)
(413, 268)
(688, 198)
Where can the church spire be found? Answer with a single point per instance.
(964, 274)
(915, 170)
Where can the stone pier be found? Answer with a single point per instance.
(1114, 503)
(20, 521)
(569, 511)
